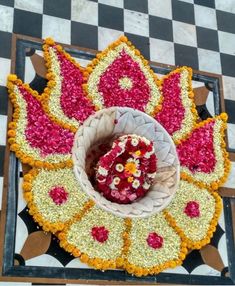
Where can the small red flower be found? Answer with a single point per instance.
(58, 195)
(100, 233)
(154, 240)
(192, 209)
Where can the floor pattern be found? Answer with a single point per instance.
(197, 33)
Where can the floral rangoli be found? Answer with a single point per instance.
(124, 172)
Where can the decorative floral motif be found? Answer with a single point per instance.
(41, 135)
(154, 240)
(36, 140)
(58, 195)
(178, 114)
(99, 233)
(126, 172)
(192, 209)
(121, 65)
(66, 101)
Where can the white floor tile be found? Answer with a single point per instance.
(32, 5)
(205, 17)
(222, 247)
(229, 87)
(160, 8)
(136, 23)
(6, 21)
(209, 61)
(21, 234)
(162, 51)
(184, 34)
(107, 36)
(231, 135)
(57, 28)
(115, 3)
(226, 42)
(3, 129)
(210, 103)
(29, 73)
(5, 67)
(225, 5)
(84, 11)
(204, 269)
(230, 183)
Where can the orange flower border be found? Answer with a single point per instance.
(121, 262)
(25, 158)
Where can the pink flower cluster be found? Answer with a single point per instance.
(41, 132)
(154, 240)
(192, 209)
(172, 112)
(197, 152)
(58, 195)
(126, 172)
(114, 95)
(73, 100)
(100, 233)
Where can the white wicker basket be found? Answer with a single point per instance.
(114, 122)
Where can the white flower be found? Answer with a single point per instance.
(146, 186)
(137, 173)
(134, 141)
(116, 180)
(119, 167)
(102, 171)
(135, 184)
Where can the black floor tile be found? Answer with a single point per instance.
(58, 8)
(27, 23)
(227, 64)
(185, 55)
(183, 12)
(2, 154)
(225, 21)
(160, 28)
(207, 39)
(3, 100)
(137, 5)
(230, 109)
(5, 44)
(111, 17)
(141, 43)
(206, 3)
(84, 35)
(7, 3)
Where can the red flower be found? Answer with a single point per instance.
(192, 209)
(100, 233)
(154, 240)
(58, 195)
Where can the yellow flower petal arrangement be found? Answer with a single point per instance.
(45, 130)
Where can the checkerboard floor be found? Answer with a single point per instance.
(197, 33)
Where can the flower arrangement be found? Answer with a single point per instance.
(126, 172)
(42, 135)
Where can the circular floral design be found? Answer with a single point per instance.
(126, 172)
(118, 121)
(185, 214)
